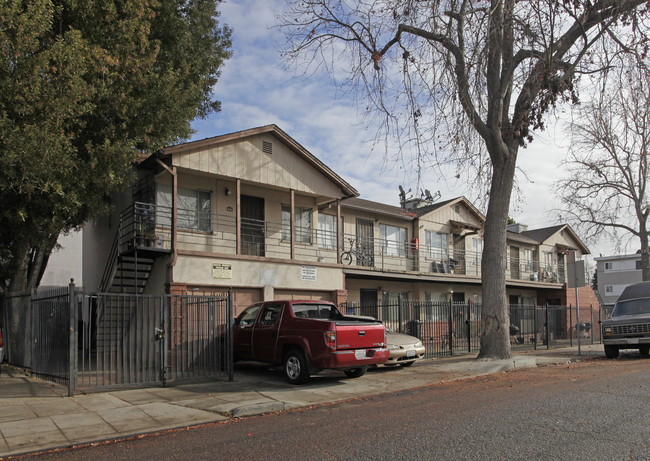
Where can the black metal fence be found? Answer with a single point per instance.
(102, 340)
(448, 328)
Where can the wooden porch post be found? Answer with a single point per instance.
(238, 215)
(292, 219)
(339, 231)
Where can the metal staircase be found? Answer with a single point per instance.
(132, 256)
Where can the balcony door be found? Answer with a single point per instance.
(252, 226)
(514, 263)
(365, 242)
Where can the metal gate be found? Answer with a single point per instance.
(51, 335)
(121, 340)
(152, 340)
(93, 341)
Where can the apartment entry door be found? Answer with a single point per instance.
(252, 226)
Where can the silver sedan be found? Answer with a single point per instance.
(403, 349)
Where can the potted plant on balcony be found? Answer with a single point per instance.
(140, 234)
(149, 238)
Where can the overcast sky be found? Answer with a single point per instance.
(255, 90)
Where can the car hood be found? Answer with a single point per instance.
(642, 318)
(400, 339)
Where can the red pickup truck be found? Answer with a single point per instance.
(307, 337)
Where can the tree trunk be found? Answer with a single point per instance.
(645, 257)
(31, 266)
(495, 317)
(18, 282)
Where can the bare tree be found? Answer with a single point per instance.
(466, 81)
(605, 189)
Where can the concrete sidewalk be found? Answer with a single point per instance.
(35, 415)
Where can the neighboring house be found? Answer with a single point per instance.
(256, 213)
(615, 273)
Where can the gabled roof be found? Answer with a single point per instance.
(543, 234)
(519, 238)
(435, 206)
(379, 208)
(296, 147)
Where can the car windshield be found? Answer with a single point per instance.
(632, 307)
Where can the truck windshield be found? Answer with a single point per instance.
(316, 311)
(632, 307)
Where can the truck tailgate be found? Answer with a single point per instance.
(359, 336)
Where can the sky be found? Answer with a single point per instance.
(255, 90)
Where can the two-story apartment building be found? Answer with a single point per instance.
(256, 213)
(614, 273)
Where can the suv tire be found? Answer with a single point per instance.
(611, 352)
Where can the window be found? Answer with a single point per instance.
(477, 245)
(393, 240)
(437, 245)
(302, 223)
(270, 314)
(248, 316)
(638, 265)
(529, 256)
(548, 259)
(609, 266)
(327, 231)
(609, 289)
(194, 208)
(316, 311)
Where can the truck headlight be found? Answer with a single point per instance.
(607, 330)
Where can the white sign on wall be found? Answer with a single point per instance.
(221, 271)
(308, 273)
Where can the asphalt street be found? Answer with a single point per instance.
(586, 410)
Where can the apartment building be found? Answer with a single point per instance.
(614, 273)
(256, 213)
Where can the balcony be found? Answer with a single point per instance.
(149, 226)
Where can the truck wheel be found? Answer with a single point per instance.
(611, 352)
(356, 372)
(295, 367)
(644, 350)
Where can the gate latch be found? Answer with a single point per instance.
(159, 334)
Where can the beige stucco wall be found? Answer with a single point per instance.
(439, 220)
(244, 159)
(197, 270)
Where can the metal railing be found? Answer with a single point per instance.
(150, 225)
(447, 328)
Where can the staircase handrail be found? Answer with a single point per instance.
(109, 270)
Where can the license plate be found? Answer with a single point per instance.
(360, 354)
(410, 353)
(633, 340)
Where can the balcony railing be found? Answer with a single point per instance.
(216, 233)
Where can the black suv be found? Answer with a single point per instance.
(629, 325)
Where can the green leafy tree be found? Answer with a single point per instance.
(467, 81)
(87, 87)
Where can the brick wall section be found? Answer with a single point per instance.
(176, 317)
(567, 296)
